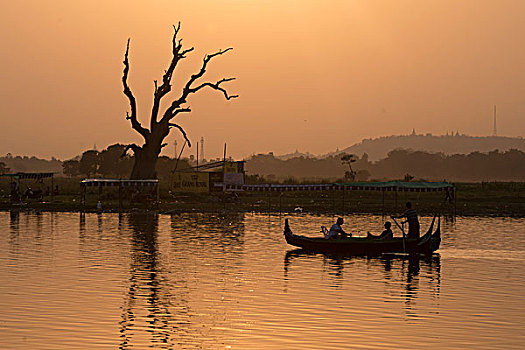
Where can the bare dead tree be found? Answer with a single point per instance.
(146, 155)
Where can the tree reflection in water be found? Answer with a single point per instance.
(146, 283)
(408, 267)
(164, 277)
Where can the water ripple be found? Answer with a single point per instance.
(201, 281)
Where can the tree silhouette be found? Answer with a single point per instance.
(146, 155)
(349, 159)
(3, 168)
(112, 164)
(71, 167)
(88, 164)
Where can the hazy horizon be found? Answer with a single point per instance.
(312, 75)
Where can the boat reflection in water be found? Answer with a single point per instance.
(406, 270)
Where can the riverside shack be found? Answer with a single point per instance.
(206, 178)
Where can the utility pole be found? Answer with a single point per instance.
(202, 148)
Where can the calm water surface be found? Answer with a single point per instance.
(197, 281)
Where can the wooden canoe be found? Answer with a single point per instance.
(426, 244)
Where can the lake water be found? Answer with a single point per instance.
(201, 281)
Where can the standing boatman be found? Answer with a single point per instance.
(413, 223)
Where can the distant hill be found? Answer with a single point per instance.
(296, 154)
(447, 144)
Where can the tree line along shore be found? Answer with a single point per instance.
(495, 165)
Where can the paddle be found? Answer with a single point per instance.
(402, 230)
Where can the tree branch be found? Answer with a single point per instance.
(182, 131)
(216, 86)
(131, 146)
(188, 89)
(179, 110)
(162, 90)
(201, 72)
(132, 102)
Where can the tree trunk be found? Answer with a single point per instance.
(146, 157)
(145, 166)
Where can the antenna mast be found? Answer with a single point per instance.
(495, 131)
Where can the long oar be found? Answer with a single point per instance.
(402, 230)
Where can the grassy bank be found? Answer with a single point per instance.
(499, 199)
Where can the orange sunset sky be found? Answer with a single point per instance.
(312, 75)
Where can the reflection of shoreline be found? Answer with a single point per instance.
(219, 233)
(14, 227)
(409, 267)
(14, 220)
(511, 210)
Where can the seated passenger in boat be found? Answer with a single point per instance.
(337, 231)
(386, 234)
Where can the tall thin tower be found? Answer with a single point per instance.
(495, 131)
(202, 148)
(175, 149)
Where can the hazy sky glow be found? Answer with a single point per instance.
(312, 75)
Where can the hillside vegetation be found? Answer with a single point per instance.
(476, 166)
(447, 144)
